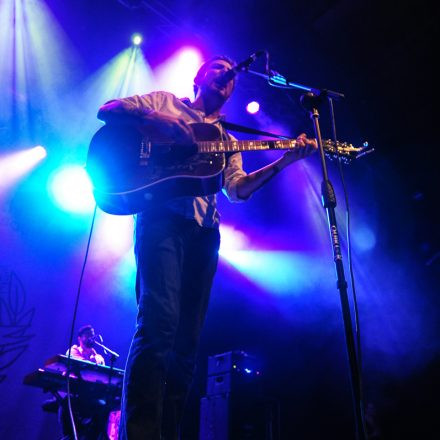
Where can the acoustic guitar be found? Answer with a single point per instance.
(132, 172)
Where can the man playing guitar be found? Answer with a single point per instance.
(176, 250)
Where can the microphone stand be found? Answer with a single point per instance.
(114, 355)
(113, 358)
(311, 100)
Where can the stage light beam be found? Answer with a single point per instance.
(278, 272)
(15, 165)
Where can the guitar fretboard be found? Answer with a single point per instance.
(235, 146)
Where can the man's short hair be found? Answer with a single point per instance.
(204, 67)
(84, 329)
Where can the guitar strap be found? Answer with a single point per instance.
(243, 129)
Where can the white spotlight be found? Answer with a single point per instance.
(136, 39)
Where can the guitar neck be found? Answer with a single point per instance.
(236, 146)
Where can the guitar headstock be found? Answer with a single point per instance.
(345, 151)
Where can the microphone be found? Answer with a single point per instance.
(223, 79)
(99, 341)
(95, 338)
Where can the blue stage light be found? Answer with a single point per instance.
(71, 189)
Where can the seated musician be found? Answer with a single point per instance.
(84, 350)
(89, 413)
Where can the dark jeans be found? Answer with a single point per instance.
(176, 261)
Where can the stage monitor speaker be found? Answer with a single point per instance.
(232, 416)
(234, 407)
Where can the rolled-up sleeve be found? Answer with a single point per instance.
(232, 174)
(139, 105)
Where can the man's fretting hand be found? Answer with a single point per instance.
(304, 147)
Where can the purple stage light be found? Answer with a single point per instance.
(253, 107)
(190, 56)
(232, 240)
(114, 235)
(176, 75)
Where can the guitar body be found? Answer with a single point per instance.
(132, 172)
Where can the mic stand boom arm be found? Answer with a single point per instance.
(277, 80)
(112, 353)
(311, 100)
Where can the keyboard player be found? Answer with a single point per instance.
(84, 349)
(90, 414)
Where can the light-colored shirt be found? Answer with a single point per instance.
(86, 355)
(202, 209)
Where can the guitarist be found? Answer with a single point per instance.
(176, 251)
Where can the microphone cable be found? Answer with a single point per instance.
(348, 238)
(278, 81)
(75, 311)
(352, 277)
